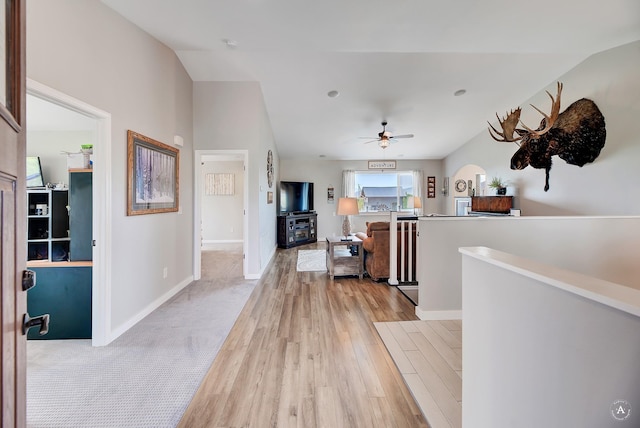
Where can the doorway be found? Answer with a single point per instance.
(100, 122)
(229, 165)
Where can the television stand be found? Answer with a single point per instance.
(297, 229)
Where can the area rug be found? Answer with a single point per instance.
(311, 261)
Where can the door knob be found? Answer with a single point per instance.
(28, 279)
(42, 321)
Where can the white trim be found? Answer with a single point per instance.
(438, 315)
(150, 308)
(264, 268)
(221, 241)
(197, 207)
(102, 211)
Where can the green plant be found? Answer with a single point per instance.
(497, 183)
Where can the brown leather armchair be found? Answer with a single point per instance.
(376, 246)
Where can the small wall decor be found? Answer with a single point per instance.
(269, 197)
(382, 164)
(431, 187)
(219, 184)
(152, 176)
(330, 195)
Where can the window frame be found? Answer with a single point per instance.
(402, 202)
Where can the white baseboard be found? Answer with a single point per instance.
(148, 309)
(438, 315)
(221, 241)
(259, 274)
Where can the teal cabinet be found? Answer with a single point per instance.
(80, 216)
(65, 294)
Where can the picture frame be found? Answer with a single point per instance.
(431, 187)
(153, 171)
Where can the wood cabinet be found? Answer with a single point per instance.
(297, 229)
(492, 204)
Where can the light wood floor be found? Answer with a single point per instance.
(305, 353)
(429, 356)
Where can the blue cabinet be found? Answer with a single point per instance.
(65, 294)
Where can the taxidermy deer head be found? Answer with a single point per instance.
(576, 135)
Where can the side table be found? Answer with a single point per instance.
(345, 257)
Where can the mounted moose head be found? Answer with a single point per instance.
(576, 135)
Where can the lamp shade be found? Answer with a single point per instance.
(417, 203)
(347, 206)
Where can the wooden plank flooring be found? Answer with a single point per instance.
(305, 353)
(429, 356)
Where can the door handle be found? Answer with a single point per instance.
(42, 321)
(28, 279)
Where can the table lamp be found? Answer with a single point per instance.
(347, 207)
(417, 203)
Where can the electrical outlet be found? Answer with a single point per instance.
(165, 272)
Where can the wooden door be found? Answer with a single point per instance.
(12, 213)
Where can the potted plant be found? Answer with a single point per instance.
(499, 185)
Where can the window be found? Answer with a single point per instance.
(384, 191)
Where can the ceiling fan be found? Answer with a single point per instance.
(385, 138)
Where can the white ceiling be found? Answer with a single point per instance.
(394, 60)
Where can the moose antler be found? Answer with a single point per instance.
(508, 125)
(551, 119)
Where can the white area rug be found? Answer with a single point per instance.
(311, 261)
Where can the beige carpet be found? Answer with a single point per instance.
(146, 377)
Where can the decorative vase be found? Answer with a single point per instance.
(501, 191)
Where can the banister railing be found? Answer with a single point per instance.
(407, 261)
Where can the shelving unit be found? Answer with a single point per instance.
(297, 229)
(64, 284)
(47, 225)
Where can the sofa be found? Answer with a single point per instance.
(376, 250)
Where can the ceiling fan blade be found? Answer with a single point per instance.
(403, 136)
(372, 141)
(367, 137)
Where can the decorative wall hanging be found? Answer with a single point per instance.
(382, 164)
(219, 184)
(576, 135)
(270, 168)
(330, 195)
(152, 176)
(431, 187)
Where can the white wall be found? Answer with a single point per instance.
(48, 145)
(603, 247)
(545, 348)
(325, 173)
(222, 214)
(604, 187)
(89, 52)
(232, 116)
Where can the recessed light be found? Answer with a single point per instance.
(460, 92)
(231, 44)
(333, 93)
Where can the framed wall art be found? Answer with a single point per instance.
(431, 187)
(219, 184)
(152, 176)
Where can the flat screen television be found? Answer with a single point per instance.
(295, 196)
(34, 172)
